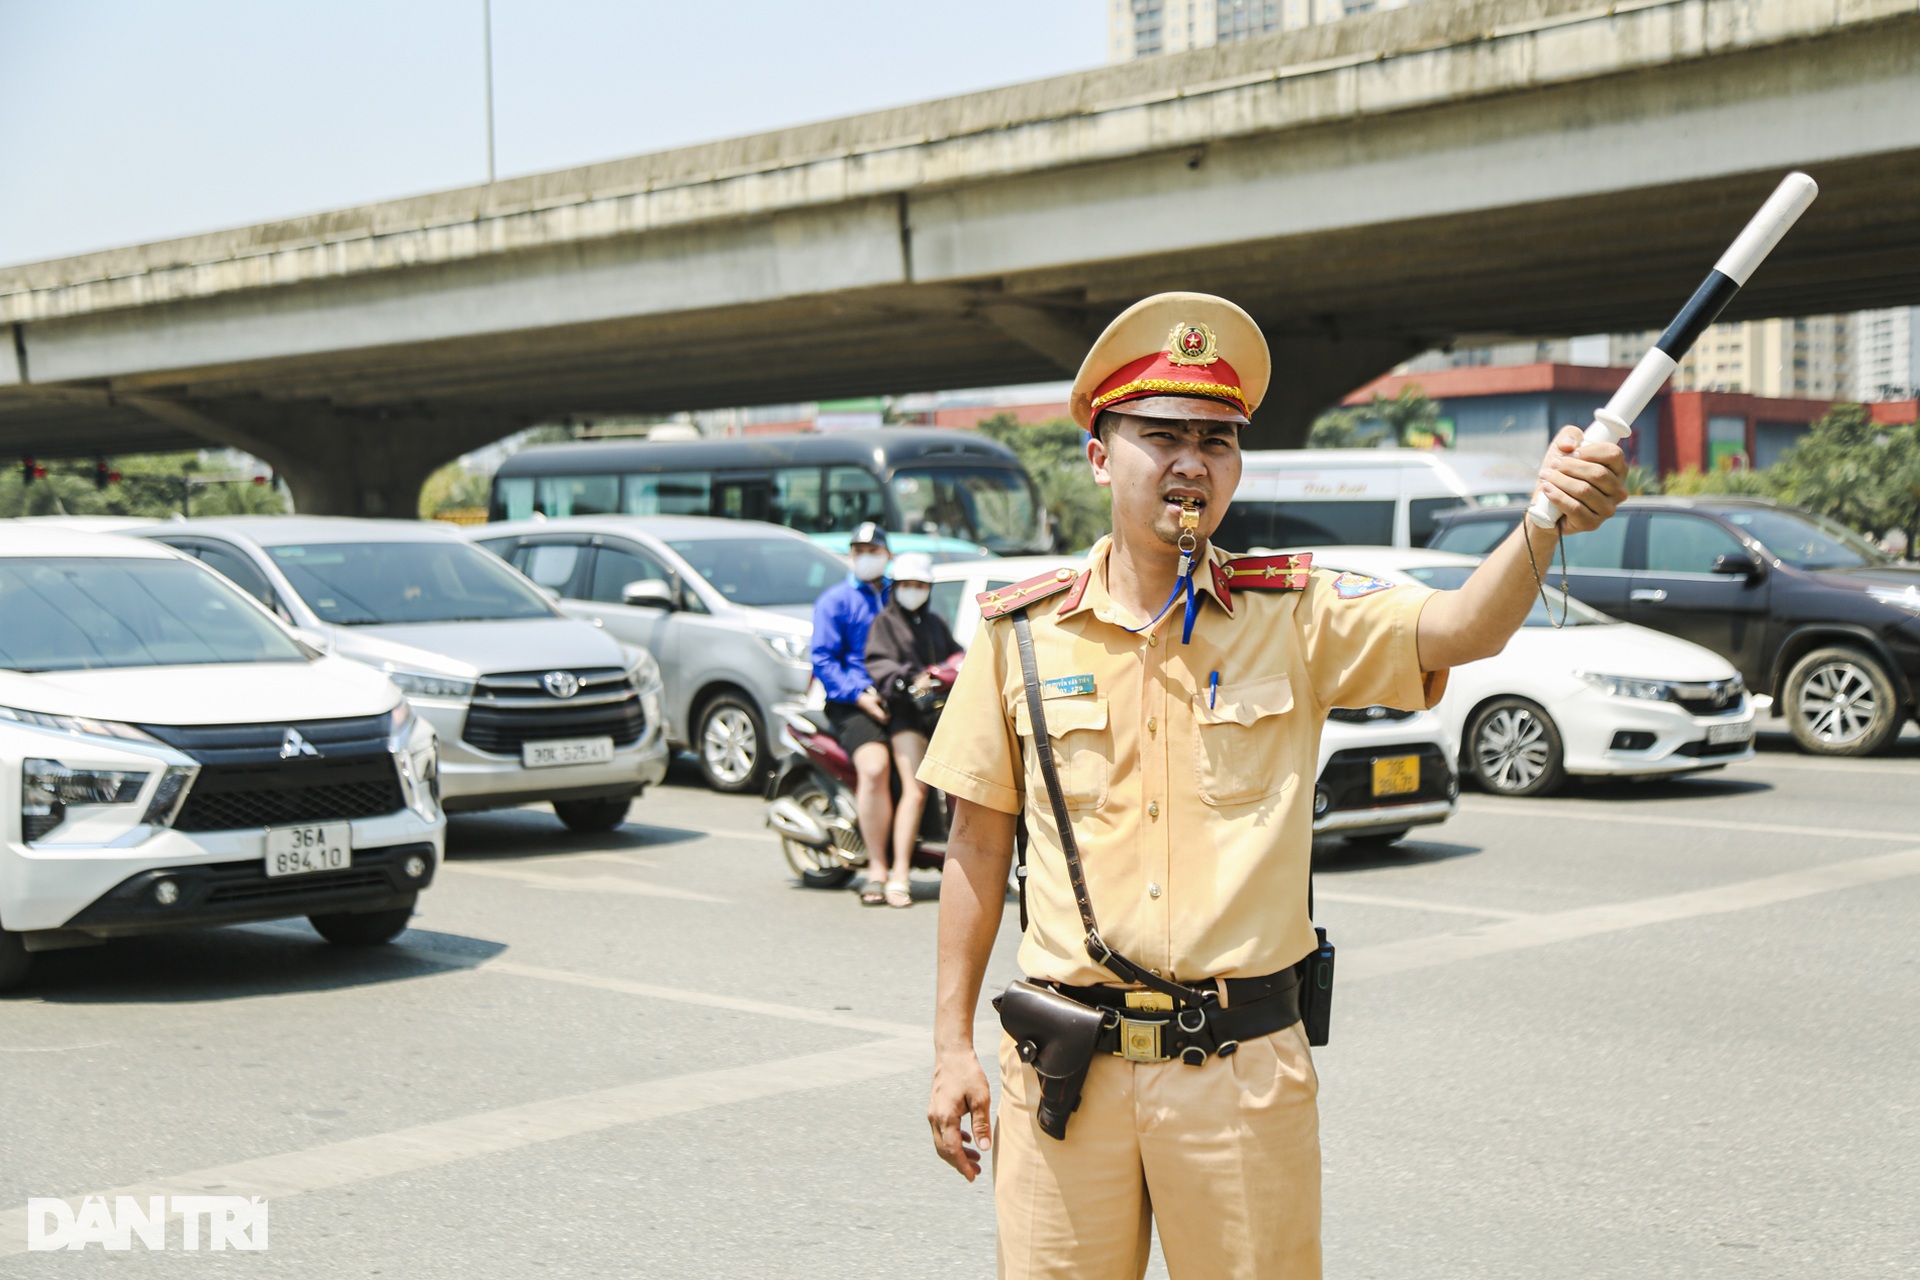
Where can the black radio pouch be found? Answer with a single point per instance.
(1057, 1038)
(1316, 990)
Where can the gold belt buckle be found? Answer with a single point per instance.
(1155, 1001)
(1140, 1040)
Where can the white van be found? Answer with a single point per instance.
(1362, 497)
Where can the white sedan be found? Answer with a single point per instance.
(1381, 772)
(1597, 697)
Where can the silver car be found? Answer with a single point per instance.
(725, 605)
(528, 703)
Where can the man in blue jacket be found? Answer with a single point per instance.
(841, 618)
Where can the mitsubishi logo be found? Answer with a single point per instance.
(561, 684)
(292, 744)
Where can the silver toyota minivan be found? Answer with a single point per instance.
(529, 704)
(725, 605)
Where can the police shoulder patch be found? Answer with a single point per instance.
(1351, 586)
(1004, 600)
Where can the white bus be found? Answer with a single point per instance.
(1361, 497)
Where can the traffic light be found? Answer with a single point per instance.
(102, 476)
(30, 471)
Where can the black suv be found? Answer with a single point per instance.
(1810, 612)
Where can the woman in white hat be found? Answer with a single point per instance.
(906, 641)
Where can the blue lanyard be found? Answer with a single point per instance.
(1184, 582)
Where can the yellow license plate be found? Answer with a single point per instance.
(1396, 775)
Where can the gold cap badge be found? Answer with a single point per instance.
(1191, 344)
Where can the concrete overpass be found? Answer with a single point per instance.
(1367, 189)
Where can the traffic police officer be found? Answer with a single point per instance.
(1184, 712)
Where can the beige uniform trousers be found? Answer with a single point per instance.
(1225, 1155)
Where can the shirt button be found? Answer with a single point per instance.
(1151, 723)
(1152, 641)
(1153, 891)
(1153, 808)
(1156, 973)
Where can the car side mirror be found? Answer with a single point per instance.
(1742, 564)
(648, 593)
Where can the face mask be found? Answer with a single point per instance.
(912, 597)
(869, 567)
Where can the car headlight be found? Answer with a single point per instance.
(788, 647)
(642, 669)
(1898, 597)
(424, 684)
(416, 756)
(1629, 687)
(49, 790)
(78, 724)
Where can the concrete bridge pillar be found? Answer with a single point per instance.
(1311, 373)
(338, 461)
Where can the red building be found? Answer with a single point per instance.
(1514, 409)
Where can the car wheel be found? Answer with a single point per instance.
(1377, 839)
(1513, 749)
(593, 816)
(817, 868)
(1841, 703)
(362, 928)
(14, 960)
(731, 740)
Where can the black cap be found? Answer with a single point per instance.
(868, 531)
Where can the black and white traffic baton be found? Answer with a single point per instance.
(1615, 422)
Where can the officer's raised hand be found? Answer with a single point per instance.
(1584, 482)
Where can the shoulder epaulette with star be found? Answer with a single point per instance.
(1262, 573)
(994, 604)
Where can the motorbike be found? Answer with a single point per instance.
(810, 800)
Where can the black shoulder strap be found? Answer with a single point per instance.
(1115, 963)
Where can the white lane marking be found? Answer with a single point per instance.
(743, 835)
(1411, 954)
(1522, 809)
(55, 1048)
(1805, 765)
(711, 999)
(426, 1146)
(1416, 904)
(581, 884)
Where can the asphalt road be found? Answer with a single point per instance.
(1649, 1031)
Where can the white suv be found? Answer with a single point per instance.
(529, 704)
(171, 756)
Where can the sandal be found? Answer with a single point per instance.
(899, 894)
(874, 894)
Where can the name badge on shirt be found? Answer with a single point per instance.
(1066, 686)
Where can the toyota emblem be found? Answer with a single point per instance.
(561, 684)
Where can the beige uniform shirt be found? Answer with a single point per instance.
(1194, 821)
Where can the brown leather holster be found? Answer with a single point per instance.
(1055, 1036)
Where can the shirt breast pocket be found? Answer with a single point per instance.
(1240, 744)
(1082, 749)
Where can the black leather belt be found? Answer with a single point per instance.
(1143, 1026)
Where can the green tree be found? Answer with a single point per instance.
(1054, 454)
(1409, 420)
(150, 486)
(1859, 472)
(454, 488)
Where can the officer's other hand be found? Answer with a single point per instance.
(870, 702)
(960, 1093)
(1585, 482)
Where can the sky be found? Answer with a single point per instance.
(127, 121)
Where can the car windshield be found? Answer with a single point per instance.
(1451, 577)
(357, 584)
(87, 613)
(763, 571)
(993, 506)
(1803, 539)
